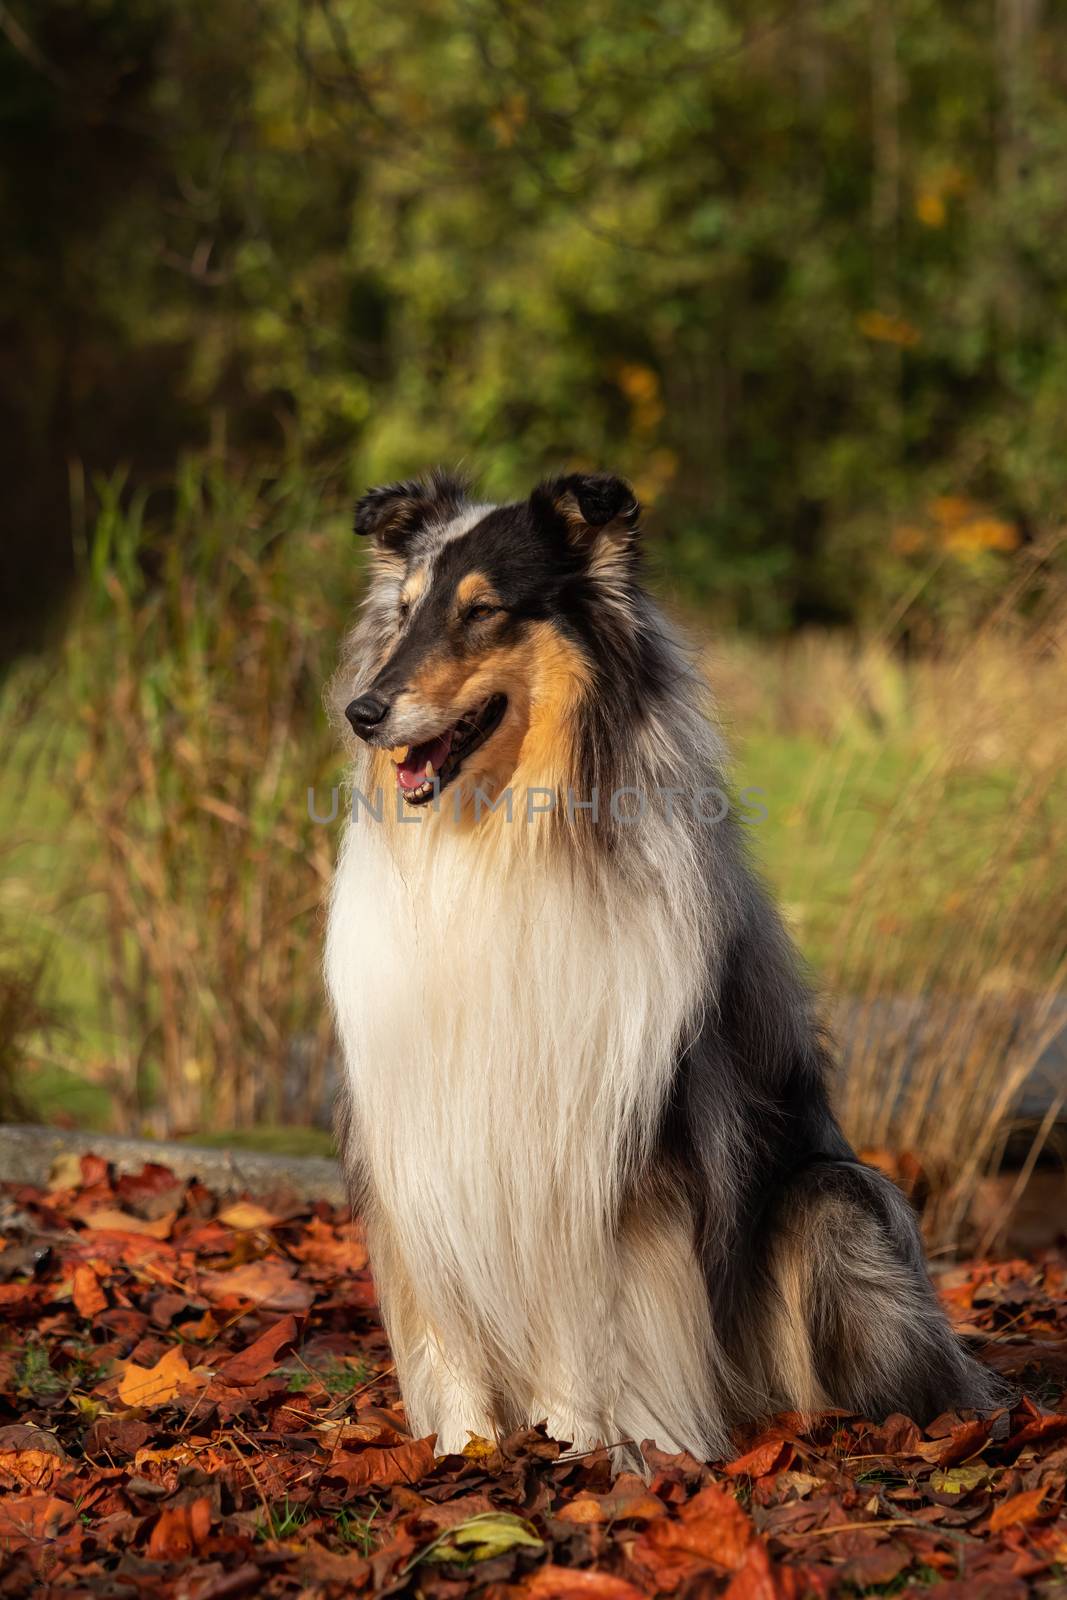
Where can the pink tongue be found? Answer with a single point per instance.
(411, 772)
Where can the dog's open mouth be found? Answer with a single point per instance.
(426, 768)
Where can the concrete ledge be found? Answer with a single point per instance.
(28, 1152)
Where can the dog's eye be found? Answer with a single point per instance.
(479, 612)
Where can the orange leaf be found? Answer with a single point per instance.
(344, 1246)
(1020, 1508)
(712, 1527)
(154, 1386)
(32, 1519)
(32, 1456)
(761, 1459)
(86, 1293)
(180, 1531)
(754, 1578)
(575, 1583)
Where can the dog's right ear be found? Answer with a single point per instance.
(391, 514)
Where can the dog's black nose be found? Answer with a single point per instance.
(366, 713)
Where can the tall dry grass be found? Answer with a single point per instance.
(190, 686)
(945, 967)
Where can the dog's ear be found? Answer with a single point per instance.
(591, 507)
(391, 514)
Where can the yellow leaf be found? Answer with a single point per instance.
(65, 1171)
(479, 1449)
(246, 1214)
(493, 1533)
(958, 1480)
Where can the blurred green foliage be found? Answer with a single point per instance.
(799, 269)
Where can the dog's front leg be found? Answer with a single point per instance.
(444, 1392)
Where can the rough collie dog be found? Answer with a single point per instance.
(587, 1121)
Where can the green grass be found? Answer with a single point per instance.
(36, 1375)
(336, 1377)
(284, 1521)
(357, 1531)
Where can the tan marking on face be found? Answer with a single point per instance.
(475, 589)
(545, 678)
(440, 679)
(414, 586)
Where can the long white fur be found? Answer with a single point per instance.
(508, 1044)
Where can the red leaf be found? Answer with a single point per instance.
(19, 1299)
(30, 1455)
(253, 1363)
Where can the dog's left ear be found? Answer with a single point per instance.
(590, 507)
(391, 514)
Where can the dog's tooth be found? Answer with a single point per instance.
(429, 770)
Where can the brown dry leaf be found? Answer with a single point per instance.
(270, 1284)
(630, 1499)
(32, 1456)
(256, 1360)
(89, 1298)
(32, 1519)
(963, 1441)
(155, 1386)
(379, 1468)
(1023, 1507)
(111, 1220)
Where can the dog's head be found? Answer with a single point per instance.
(479, 626)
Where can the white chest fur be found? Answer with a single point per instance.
(508, 1037)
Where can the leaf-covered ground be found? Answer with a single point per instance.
(197, 1401)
